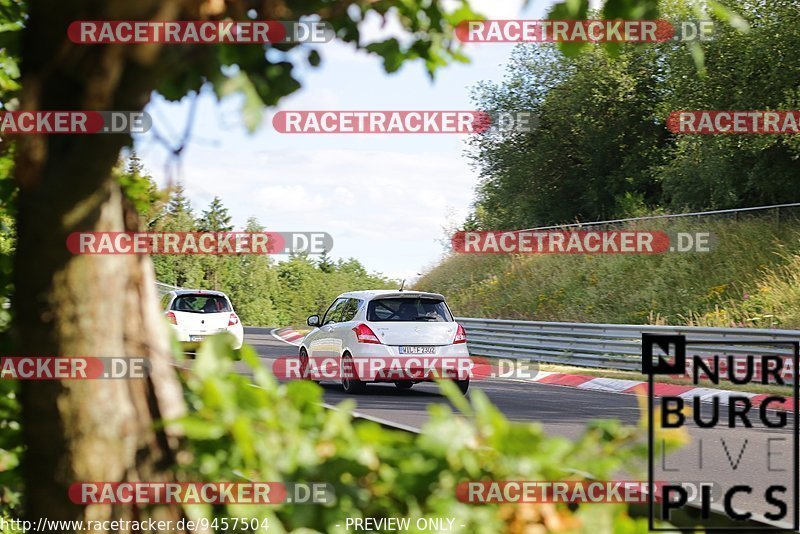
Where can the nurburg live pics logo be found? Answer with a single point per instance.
(667, 355)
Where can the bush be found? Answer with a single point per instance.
(253, 428)
(260, 430)
(11, 449)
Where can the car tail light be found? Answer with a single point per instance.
(171, 318)
(364, 334)
(234, 319)
(461, 335)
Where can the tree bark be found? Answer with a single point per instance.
(105, 305)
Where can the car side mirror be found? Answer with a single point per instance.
(313, 320)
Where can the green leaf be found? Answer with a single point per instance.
(451, 391)
(569, 10)
(252, 105)
(630, 9)
(391, 53)
(725, 14)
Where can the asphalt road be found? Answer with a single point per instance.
(729, 456)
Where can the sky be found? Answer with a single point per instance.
(385, 199)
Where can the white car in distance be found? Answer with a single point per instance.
(197, 313)
(387, 325)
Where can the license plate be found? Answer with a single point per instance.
(417, 350)
(196, 338)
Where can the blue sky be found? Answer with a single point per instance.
(385, 199)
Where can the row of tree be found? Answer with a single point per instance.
(263, 291)
(601, 148)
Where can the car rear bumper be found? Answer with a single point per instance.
(384, 363)
(191, 339)
(370, 350)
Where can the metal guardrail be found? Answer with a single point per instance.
(163, 289)
(605, 346)
(734, 212)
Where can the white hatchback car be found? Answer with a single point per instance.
(196, 314)
(363, 331)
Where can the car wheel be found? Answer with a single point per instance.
(405, 384)
(350, 382)
(463, 386)
(304, 366)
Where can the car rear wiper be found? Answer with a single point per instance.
(425, 318)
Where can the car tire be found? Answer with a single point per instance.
(463, 386)
(350, 384)
(304, 365)
(404, 384)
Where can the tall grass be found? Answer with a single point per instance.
(751, 278)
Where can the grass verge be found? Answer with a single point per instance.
(751, 279)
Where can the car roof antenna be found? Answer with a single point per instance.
(403, 284)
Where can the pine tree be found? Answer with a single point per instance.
(325, 264)
(135, 166)
(215, 218)
(139, 188)
(178, 201)
(253, 225)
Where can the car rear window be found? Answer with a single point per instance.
(408, 309)
(201, 303)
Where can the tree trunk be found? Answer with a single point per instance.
(67, 305)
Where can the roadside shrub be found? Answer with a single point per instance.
(11, 449)
(243, 428)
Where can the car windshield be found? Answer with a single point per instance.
(201, 303)
(408, 309)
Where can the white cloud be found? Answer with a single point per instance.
(315, 97)
(492, 9)
(385, 208)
